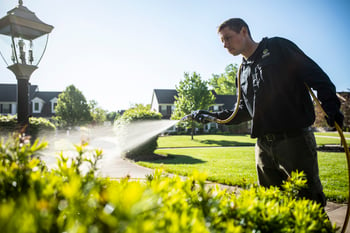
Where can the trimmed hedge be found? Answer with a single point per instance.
(8, 124)
(143, 151)
(70, 199)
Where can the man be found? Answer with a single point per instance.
(273, 78)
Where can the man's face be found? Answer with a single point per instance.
(234, 42)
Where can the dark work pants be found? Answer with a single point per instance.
(276, 159)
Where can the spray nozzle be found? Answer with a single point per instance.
(187, 118)
(201, 118)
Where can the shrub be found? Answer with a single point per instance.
(124, 124)
(143, 151)
(40, 125)
(71, 199)
(8, 124)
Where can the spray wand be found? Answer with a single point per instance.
(206, 117)
(201, 118)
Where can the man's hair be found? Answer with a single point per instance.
(235, 24)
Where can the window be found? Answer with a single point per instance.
(54, 104)
(36, 107)
(168, 109)
(6, 108)
(163, 109)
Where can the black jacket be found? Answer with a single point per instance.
(274, 95)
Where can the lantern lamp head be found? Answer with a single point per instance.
(21, 26)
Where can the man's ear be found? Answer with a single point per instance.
(244, 31)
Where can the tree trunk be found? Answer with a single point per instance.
(192, 129)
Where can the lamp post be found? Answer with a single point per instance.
(21, 29)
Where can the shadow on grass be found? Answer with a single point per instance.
(227, 143)
(176, 159)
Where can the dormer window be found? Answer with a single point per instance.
(37, 105)
(53, 104)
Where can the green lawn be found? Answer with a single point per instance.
(234, 140)
(229, 159)
(333, 133)
(330, 138)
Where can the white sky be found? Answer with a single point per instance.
(117, 51)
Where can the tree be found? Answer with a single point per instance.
(141, 107)
(193, 94)
(98, 114)
(140, 112)
(225, 83)
(72, 108)
(112, 116)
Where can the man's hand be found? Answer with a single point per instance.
(335, 117)
(203, 116)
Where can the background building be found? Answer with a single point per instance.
(163, 102)
(41, 103)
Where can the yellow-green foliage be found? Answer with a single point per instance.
(70, 199)
(36, 125)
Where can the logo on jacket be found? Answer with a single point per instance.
(265, 53)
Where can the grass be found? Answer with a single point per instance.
(330, 138)
(225, 165)
(229, 159)
(334, 175)
(332, 134)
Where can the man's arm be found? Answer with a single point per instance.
(242, 114)
(312, 75)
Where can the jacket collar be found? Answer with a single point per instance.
(257, 52)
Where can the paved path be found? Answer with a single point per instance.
(112, 164)
(336, 213)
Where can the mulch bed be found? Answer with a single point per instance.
(146, 157)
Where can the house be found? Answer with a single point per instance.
(8, 99)
(223, 102)
(320, 122)
(42, 104)
(344, 98)
(163, 102)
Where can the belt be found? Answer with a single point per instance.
(270, 137)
